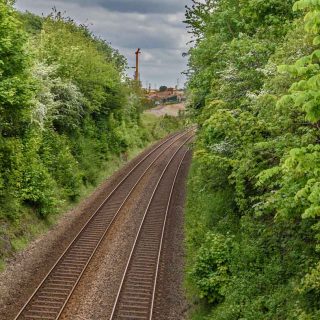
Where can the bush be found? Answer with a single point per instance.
(254, 95)
(210, 271)
(68, 114)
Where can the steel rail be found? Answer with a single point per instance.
(162, 236)
(116, 303)
(174, 139)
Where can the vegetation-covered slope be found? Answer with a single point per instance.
(67, 113)
(254, 191)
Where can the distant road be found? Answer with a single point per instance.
(171, 110)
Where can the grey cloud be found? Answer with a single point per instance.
(139, 6)
(127, 36)
(162, 37)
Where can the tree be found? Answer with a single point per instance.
(255, 178)
(16, 90)
(163, 88)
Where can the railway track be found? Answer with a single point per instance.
(50, 298)
(136, 295)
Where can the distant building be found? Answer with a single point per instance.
(171, 95)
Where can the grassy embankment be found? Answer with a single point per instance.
(68, 115)
(253, 208)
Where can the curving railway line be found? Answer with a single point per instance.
(135, 299)
(136, 295)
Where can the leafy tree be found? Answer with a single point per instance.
(163, 88)
(67, 115)
(253, 91)
(31, 22)
(15, 84)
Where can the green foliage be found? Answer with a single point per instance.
(304, 93)
(210, 271)
(253, 91)
(163, 88)
(68, 116)
(15, 81)
(59, 103)
(80, 59)
(31, 22)
(38, 188)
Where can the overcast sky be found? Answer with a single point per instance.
(153, 25)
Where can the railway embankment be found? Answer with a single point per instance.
(106, 224)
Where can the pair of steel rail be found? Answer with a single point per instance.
(52, 295)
